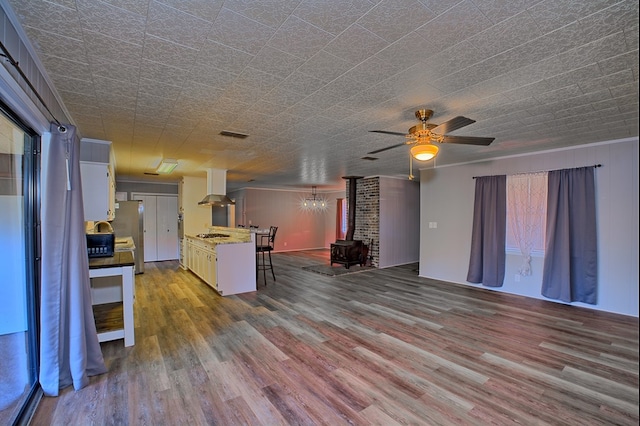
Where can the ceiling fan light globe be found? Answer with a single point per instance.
(424, 152)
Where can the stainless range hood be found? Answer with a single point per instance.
(216, 189)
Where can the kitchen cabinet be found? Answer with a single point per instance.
(201, 260)
(188, 253)
(98, 180)
(112, 192)
(236, 268)
(227, 268)
(98, 191)
(211, 269)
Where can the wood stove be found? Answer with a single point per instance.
(349, 251)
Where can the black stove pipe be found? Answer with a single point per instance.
(351, 213)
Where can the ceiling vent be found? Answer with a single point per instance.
(233, 134)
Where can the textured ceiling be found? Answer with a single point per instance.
(307, 80)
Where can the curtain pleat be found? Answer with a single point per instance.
(487, 259)
(69, 347)
(570, 271)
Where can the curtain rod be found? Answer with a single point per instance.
(15, 64)
(595, 166)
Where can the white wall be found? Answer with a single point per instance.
(330, 216)
(197, 219)
(447, 195)
(399, 222)
(14, 90)
(298, 229)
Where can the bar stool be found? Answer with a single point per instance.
(265, 243)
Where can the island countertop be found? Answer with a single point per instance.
(119, 258)
(227, 264)
(235, 236)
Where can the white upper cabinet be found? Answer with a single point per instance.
(96, 185)
(98, 180)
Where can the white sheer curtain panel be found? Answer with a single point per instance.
(69, 347)
(527, 207)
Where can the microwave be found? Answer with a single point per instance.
(100, 245)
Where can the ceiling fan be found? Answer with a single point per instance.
(423, 135)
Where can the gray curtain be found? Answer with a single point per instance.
(487, 260)
(69, 347)
(570, 270)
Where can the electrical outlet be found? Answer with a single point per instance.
(517, 278)
(285, 243)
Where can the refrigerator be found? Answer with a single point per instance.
(129, 223)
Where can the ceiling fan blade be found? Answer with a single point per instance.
(389, 147)
(454, 124)
(387, 132)
(468, 140)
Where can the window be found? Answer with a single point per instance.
(526, 216)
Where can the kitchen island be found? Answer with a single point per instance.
(224, 258)
(120, 265)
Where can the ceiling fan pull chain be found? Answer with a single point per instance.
(410, 167)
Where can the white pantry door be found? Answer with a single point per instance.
(160, 226)
(167, 228)
(149, 223)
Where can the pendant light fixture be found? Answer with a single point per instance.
(314, 202)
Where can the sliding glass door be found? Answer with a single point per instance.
(19, 251)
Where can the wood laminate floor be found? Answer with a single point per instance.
(382, 347)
